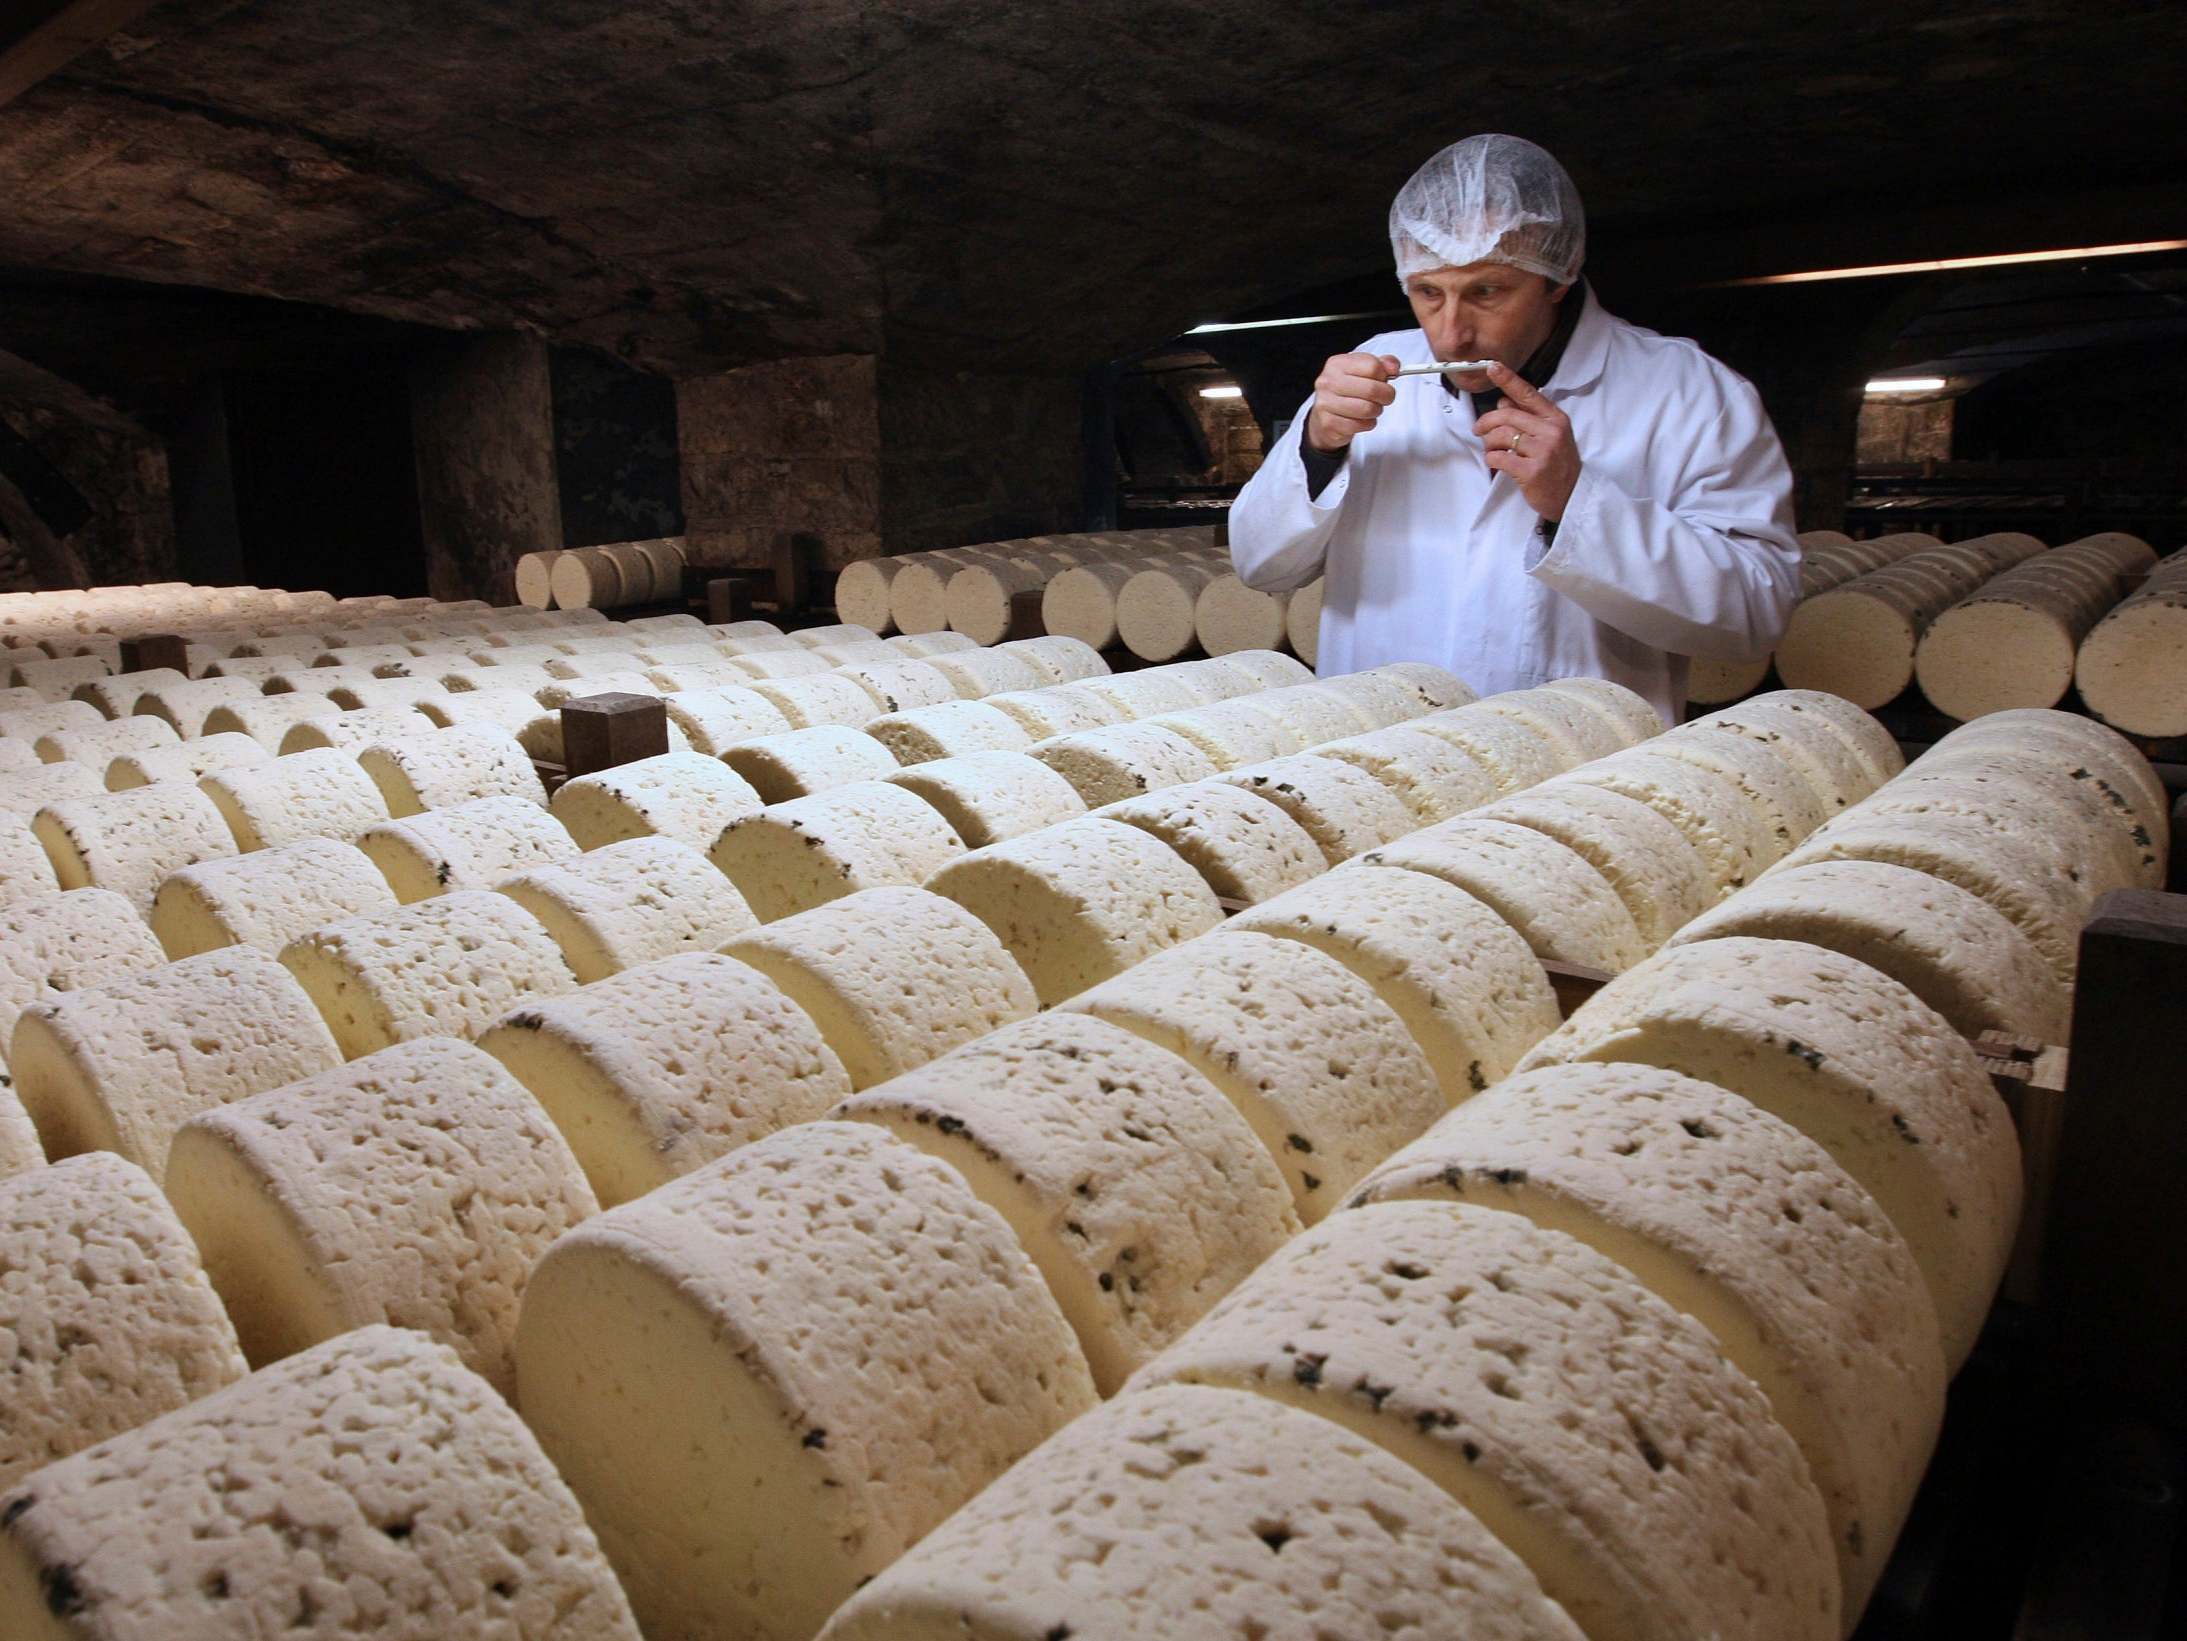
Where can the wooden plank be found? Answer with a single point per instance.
(1573, 983)
(45, 48)
(2031, 1077)
(601, 731)
(728, 598)
(155, 650)
(2118, 1218)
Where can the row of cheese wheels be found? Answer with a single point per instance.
(602, 578)
(941, 1086)
(921, 592)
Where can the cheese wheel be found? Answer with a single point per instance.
(1660, 877)
(1057, 709)
(1155, 608)
(26, 724)
(31, 790)
(686, 796)
(367, 656)
(190, 1527)
(809, 703)
(20, 1152)
(714, 720)
(1154, 690)
(1302, 621)
(186, 762)
(1561, 906)
(862, 592)
(1517, 749)
(444, 767)
(510, 675)
(629, 903)
(656, 1071)
(1139, 1192)
(1626, 710)
(1868, 739)
(974, 673)
(1245, 848)
(16, 754)
(1058, 658)
(800, 762)
(115, 696)
(1432, 776)
(128, 841)
(1857, 1063)
(441, 968)
(265, 899)
(893, 977)
(1124, 760)
(304, 680)
(109, 1319)
(1270, 668)
(1574, 730)
(120, 1067)
(1955, 952)
(1597, 1432)
(2123, 781)
(1080, 602)
(1320, 1067)
(54, 679)
(1342, 807)
(665, 556)
(947, 730)
(1230, 734)
(466, 846)
(897, 685)
(25, 869)
(352, 730)
(56, 943)
(1079, 902)
(1229, 616)
(1712, 682)
(989, 796)
(842, 632)
(358, 1196)
(587, 578)
(535, 579)
(791, 857)
(2016, 794)
(267, 719)
(792, 660)
(2129, 666)
(98, 745)
(1826, 1311)
(1182, 1510)
(1381, 701)
(750, 1483)
(385, 692)
(1834, 773)
(186, 705)
(1724, 826)
(1463, 981)
(682, 675)
(976, 598)
(322, 793)
(921, 646)
(918, 594)
(515, 711)
(1768, 779)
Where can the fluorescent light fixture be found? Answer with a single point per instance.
(1907, 384)
(1271, 324)
(1222, 393)
(1947, 264)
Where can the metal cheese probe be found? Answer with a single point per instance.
(1466, 366)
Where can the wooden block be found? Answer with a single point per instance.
(1573, 983)
(795, 555)
(728, 598)
(155, 650)
(2118, 1219)
(2031, 1077)
(1025, 616)
(602, 731)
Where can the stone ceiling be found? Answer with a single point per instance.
(699, 184)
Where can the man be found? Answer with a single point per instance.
(1600, 500)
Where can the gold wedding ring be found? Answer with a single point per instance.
(1516, 436)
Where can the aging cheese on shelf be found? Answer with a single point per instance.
(267, 719)
(416, 1186)
(1660, 877)
(186, 762)
(28, 791)
(25, 869)
(714, 720)
(1058, 658)
(628, 903)
(1057, 709)
(1150, 691)
(1626, 709)
(1124, 760)
(99, 745)
(27, 724)
(1576, 728)
(323, 793)
(129, 841)
(353, 729)
(813, 1351)
(1344, 808)
(1767, 778)
(1230, 734)
(1434, 778)
(944, 731)
(990, 796)
(1245, 848)
(1381, 701)
(466, 846)
(800, 762)
(686, 796)
(266, 899)
(1837, 775)
(1518, 750)
(827, 698)
(899, 683)
(444, 767)
(56, 943)
(791, 857)
(1723, 824)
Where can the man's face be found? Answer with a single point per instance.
(1484, 311)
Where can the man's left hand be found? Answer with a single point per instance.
(1531, 439)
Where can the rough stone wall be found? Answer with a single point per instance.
(482, 413)
(615, 450)
(122, 476)
(1895, 434)
(789, 446)
(970, 457)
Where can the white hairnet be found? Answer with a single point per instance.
(1490, 199)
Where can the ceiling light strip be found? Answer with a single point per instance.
(1951, 263)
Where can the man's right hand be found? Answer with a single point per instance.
(1349, 396)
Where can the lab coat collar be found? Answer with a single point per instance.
(1587, 352)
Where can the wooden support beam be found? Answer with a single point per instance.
(155, 650)
(601, 731)
(48, 46)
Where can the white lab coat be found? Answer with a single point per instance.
(1677, 542)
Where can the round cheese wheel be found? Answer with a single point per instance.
(659, 1070)
(629, 903)
(976, 673)
(1625, 709)
(1122, 761)
(441, 968)
(1139, 1192)
(1230, 734)
(1151, 691)
(115, 696)
(186, 705)
(31, 790)
(1270, 668)
(665, 558)
(1320, 1067)
(1721, 822)
(977, 597)
(120, 1067)
(515, 711)
(265, 899)
(1080, 602)
(1826, 1311)
(1057, 709)
(682, 675)
(2014, 641)
(444, 767)
(1857, 1063)
(535, 579)
(17, 754)
(586, 578)
(918, 594)
(1955, 952)
(751, 1483)
(1647, 861)
(465, 846)
(1836, 775)
(1519, 749)
(1380, 701)
(2125, 784)
(791, 857)
(1570, 725)
(682, 795)
(1229, 616)
(1182, 1508)
(98, 745)
(187, 762)
(59, 942)
(2016, 794)
(1058, 658)
(1596, 1431)
(128, 841)
(358, 1196)
(899, 684)
(862, 592)
(266, 719)
(596, 663)
(1767, 778)
(27, 723)
(990, 796)
(322, 793)
(800, 762)
(368, 656)
(385, 692)
(1711, 682)
(189, 1526)
(829, 698)
(2129, 666)
(1464, 982)
(947, 730)
(1342, 807)
(1561, 906)
(1245, 848)
(109, 1318)
(787, 660)
(54, 679)
(352, 730)
(714, 720)
(1079, 902)
(1433, 777)
(893, 977)
(920, 646)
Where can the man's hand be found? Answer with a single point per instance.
(1348, 398)
(1531, 439)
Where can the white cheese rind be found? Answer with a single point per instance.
(988, 797)
(55, 943)
(893, 977)
(630, 903)
(1123, 761)
(1519, 751)
(186, 762)
(107, 1315)
(1081, 901)
(25, 869)
(121, 1067)
(814, 1351)
(714, 720)
(944, 731)
(466, 846)
(1344, 808)
(353, 729)
(1436, 779)
(825, 698)
(1245, 848)
(129, 841)
(441, 968)
(241, 1511)
(1723, 824)
(1179, 1511)
(1660, 877)
(1137, 1189)
(323, 793)
(791, 857)
(27, 792)
(686, 796)
(444, 767)
(101, 744)
(1056, 710)
(267, 719)
(1598, 1433)
(266, 899)
(800, 762)
(416, 1186)
(1857, 1063)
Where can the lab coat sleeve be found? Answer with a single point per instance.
(1279, 532)
(1710, 570)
